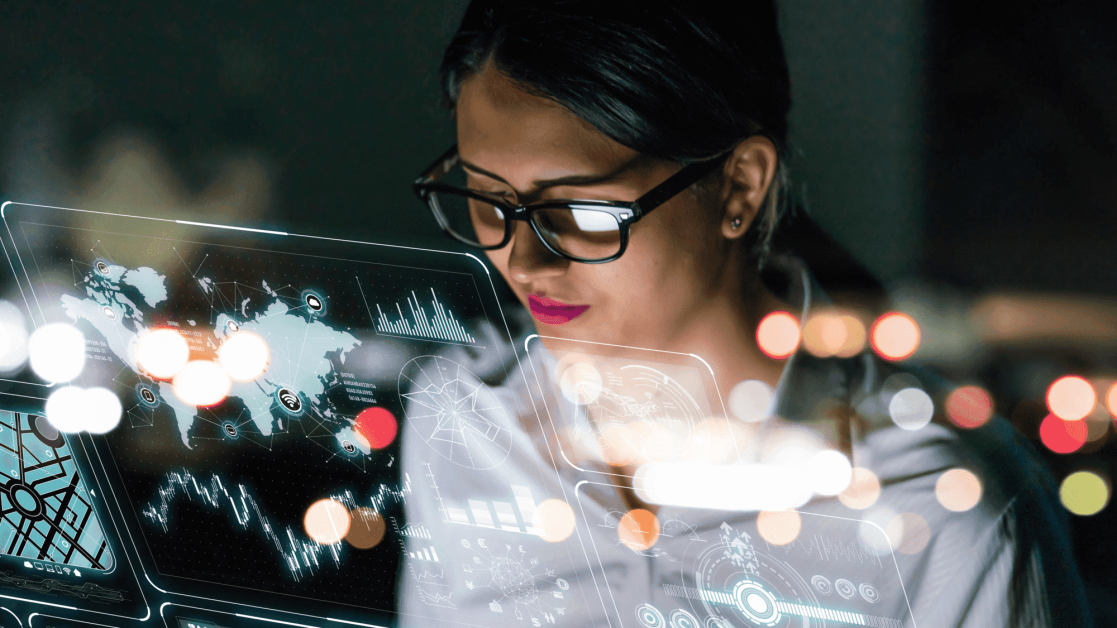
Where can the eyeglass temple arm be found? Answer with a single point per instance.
(682, 180)
(438, 163)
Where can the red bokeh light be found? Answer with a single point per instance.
(969, 406)
(377, 426)
(1062, 437)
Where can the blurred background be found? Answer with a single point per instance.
(964, 152)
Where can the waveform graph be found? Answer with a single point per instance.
(298, 550)
(430, 321)
(454, 413)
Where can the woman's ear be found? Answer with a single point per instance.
(748, 173)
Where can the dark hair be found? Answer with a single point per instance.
(673, 80)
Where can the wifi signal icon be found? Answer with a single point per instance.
(290, 400)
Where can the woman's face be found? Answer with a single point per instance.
(530, 149)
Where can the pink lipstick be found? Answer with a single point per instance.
(553, 312)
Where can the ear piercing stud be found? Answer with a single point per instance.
(735, 224)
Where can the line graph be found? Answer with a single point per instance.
(440, 325)
(301, 555)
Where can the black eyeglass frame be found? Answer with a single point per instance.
(625, 212)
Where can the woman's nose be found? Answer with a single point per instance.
(530, 259)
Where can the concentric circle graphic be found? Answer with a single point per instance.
(683, 619)
(845, 588)
(756, 603)
(650, 617)
(822, 584)
(869, 592)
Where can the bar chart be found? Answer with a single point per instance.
(510, 516)
(434, 322)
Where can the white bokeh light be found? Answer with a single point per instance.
(911, 408)
(244, 356)
(57, 352)
(162, 353)
(72, 409)
(104, 410)
(65, 408)
(13, 338)
(830, 472)
(202, 383)
(749, 400)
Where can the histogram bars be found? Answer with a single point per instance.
(439, 326)
(480, 513)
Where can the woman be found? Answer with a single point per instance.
(682, 108)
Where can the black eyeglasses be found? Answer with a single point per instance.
(587, 231)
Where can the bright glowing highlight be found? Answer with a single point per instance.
(57, 352)
(778, 335)
(863, 491)
(202, 383)
(326, 522)
(895, 336)
(749, 400)
(830, 472)
(162, 353)
(554, 519)
(911, 409)
(71, 409)
(779, 527)
(1063, 437)
(958, 490)
(1071, 398)
(244, 356)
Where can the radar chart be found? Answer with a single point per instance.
(454, 412)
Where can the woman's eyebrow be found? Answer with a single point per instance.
(574, 179)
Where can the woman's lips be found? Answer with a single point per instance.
(553, 312)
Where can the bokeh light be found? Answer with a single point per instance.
(779, 527)
(1071, 398)
(958, 490)
(57, 352)
(579, 380)
(911, 408)
(72, 409)
(881, 530)
(244, 356)
(638, 529)
(617, 445)
(377, 426)
(863, 490)
(749, 400)
(13, 338)
(1111, 401)
(829, 472)
(969, 406)
(554, 519)
(202, 383)
(911, 530)
(777, 335)
(833, 334)
(65, 409)
(1084, 493)
(326, 522)
(366, 528)
(895, 336)
(162, 353)
(1063, 437)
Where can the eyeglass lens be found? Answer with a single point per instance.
(583, 232)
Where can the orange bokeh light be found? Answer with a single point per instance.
(831, 334)
(1111, 401)
(779, 527)
(895, 336)
(1071, 398)
(778, 335)
(1061, 436)
(326, 521)
(863, 490)
(366, 528)
(969, 406)
(638, 529)
(958, 490)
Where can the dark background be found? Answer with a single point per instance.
(960, 150)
